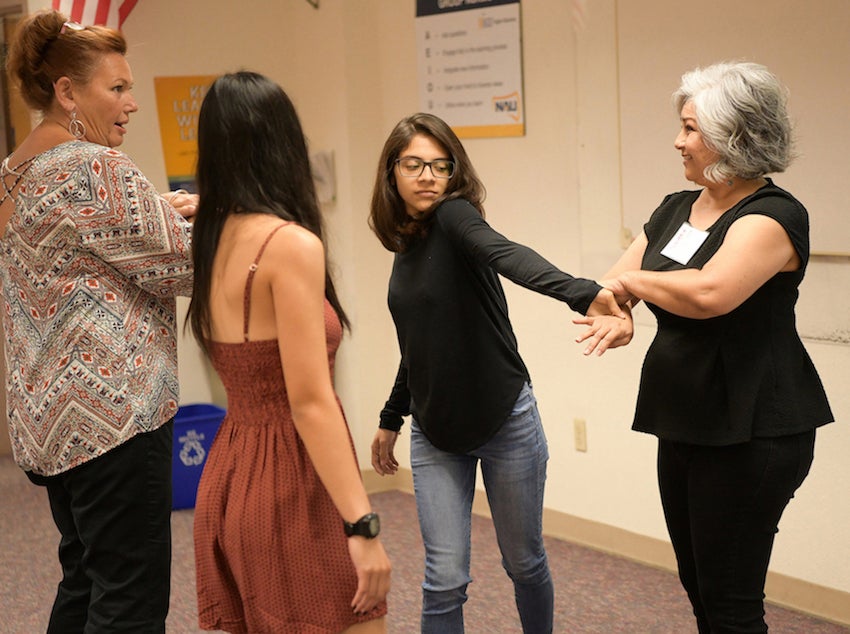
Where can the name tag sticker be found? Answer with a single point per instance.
(684, 244)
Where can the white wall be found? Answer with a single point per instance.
(350, 67)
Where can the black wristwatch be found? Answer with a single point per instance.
(367, 526)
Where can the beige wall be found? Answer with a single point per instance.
(351, 69)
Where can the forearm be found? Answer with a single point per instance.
(754, 250)
(323, 431)
(688, 293)
(160, 260)
(516, 262)
(398, 403)
(527, 268)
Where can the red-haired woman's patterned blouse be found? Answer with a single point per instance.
(90, 261)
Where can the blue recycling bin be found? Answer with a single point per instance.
(195, 427)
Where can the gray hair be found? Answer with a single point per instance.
(741, 113)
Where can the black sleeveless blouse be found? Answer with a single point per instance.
(746, 374)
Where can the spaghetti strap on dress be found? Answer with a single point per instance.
(271, 555)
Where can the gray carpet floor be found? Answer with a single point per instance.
(594, 592)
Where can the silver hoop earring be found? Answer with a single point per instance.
(76, 127)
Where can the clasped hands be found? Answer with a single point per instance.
(609, 319)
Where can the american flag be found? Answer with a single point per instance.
(111, 13)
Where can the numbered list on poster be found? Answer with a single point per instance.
(470, 65)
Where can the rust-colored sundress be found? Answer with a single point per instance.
(270, 553)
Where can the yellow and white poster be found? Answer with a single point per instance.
(178, 102)
(470, 65)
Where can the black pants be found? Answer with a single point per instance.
(722, 506)
(114, 516)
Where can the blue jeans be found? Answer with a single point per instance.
(513, 464)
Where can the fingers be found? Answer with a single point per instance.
(604, 333)
(614, 307)
(594, 335)
(382, 456)
(172, 196)
(371, 590)
(605, 303)
(376, 456)
(587, 334)
(591, 345)
(600, 347)
(364, 599)
(616, 286)
(373, 573)
(184, 203)
(388, 463)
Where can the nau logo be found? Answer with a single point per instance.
(508, 104)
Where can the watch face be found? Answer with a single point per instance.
(367, 526)
(374, 525)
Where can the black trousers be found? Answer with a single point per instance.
(114, 516)
(722, 506)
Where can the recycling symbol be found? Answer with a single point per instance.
(192, 454)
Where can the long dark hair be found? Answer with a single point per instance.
(388, 218)
(252, 158)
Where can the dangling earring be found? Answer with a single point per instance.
(76, 127)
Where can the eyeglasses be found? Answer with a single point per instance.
(412, 167)
(71, 26)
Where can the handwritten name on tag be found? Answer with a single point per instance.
(684, 244)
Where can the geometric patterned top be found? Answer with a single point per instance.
(90, 263)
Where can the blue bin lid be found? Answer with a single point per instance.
(198, 411)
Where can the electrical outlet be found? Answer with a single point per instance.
(580, 430)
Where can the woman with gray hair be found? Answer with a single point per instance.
(727, 386)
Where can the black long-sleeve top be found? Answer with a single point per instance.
(460, 371)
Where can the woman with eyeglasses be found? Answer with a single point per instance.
(91, 257)
(461, 376)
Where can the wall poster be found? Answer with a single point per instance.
(470, 65)
(178, 103)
